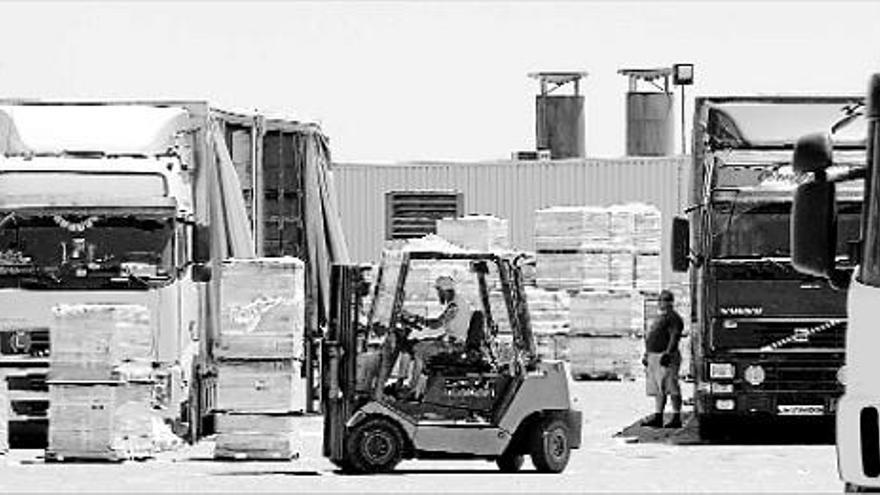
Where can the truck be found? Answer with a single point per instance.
(139, 202)
(814, 233)
(767, 341)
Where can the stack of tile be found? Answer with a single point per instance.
(604, 314)
(616, 357)
(550, 324)
(598, 248)
(477, 232)
(259, 355)
(101, 383)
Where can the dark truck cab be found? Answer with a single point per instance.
(768, 341)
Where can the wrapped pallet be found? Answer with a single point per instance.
(478, 232)
(271, 386)
(262, 309)
(616, 358)
(548, 310)
(568, 227)
(256, 436)
(98, 341)
(602, 313)
(647, 272)
(102, 421)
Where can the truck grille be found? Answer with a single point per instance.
(799, 376)
(778, 334)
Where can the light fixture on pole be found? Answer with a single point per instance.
(683, 75)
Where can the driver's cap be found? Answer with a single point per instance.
(445, 282)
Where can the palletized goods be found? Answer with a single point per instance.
(256, 436)
(259, 386)
(605, 357)
(97, 341)
(262, 309)
(602, 313)
(478, 232)
(104, 421)
(598, 248)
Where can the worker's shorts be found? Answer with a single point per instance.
(662, 380)
(426, 349)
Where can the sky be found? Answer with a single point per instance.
(407, 80)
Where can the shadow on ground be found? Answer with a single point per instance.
(798, 431)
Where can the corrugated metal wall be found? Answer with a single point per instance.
(511, 190)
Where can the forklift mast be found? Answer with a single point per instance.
(339, 355)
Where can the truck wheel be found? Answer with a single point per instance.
(374, 446)
(509, 463)
(853, 488)
(550, 449)
(711, 428)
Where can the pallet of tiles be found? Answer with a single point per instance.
(97, 341)
(262, 313)
(271, 386)
(606, 313)
(256, 436)
(108, 421)
(613, 357)
(477, 232)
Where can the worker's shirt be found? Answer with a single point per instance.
(663, 328)
(454, 320)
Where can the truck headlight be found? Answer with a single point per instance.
(841, 375)
(722, 388)
(725, 404)
(754, 374)
(721, 370)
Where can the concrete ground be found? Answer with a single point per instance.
(617, 456)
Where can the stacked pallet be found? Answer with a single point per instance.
(102, 386)
(548, 311)
(259, 354)
(598, 248)
(477, 232)
(607, 314)
(612, 357)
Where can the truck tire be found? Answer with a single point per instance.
(853, 488)
(712, 428)
(510, 463)
(549, 446)
(374, 446)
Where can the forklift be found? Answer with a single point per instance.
(493, 399)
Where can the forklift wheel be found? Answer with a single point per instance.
(374, 446)
(550, 449)
(509, 463)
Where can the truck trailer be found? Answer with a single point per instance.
(136, 204)
(767, 341)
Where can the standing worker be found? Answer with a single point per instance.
(662, 361)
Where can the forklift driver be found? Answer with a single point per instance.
(447, 333)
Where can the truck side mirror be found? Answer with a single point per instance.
(201, 251)
(812, 153)
(681, 244)
(814, 228)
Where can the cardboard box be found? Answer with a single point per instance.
(262, 309)
(260, 386)
(256, 436)
(108, 421)
(93, 341)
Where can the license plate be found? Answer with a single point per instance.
(812, 410)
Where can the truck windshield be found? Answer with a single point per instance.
(757, 230)
(82, 251)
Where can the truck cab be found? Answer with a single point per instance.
(768, 341)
